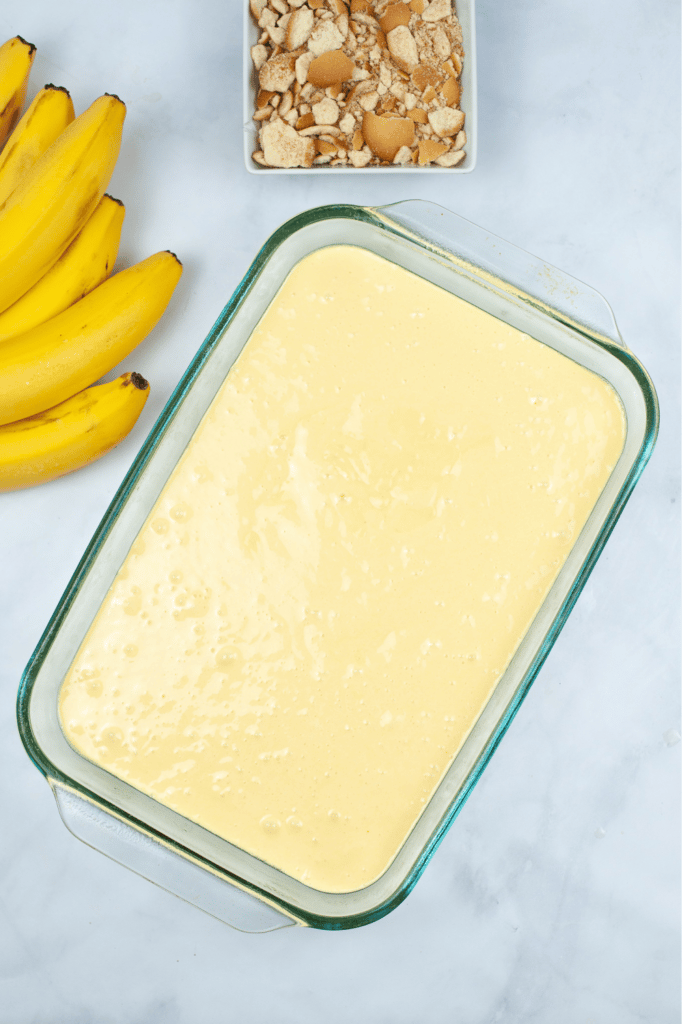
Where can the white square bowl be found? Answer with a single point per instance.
(465, 12)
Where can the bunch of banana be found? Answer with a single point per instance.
(64, 322)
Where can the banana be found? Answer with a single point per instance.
(46, 211)
(16, 58)
(46, 118)
(49, 363)
(70, 435)
(83, 266)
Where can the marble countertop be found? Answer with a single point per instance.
(555, 898)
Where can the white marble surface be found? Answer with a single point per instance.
(555, 897)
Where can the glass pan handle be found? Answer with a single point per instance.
(505, 267)
(164, 866)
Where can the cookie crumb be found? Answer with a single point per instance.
(358, 83)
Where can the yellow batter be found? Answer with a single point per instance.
(341, 567)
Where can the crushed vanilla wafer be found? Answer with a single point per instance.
(358, 83)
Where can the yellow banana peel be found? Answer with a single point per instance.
(44, 366)
(63, 322)
(16, 58)
(86, 263)
(70, 435)
(56, 197)
(44, 121)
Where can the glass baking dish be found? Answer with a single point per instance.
(164, 846)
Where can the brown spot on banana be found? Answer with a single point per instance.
(137, 380)
(31, 46)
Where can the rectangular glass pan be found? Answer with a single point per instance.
(165, 846)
